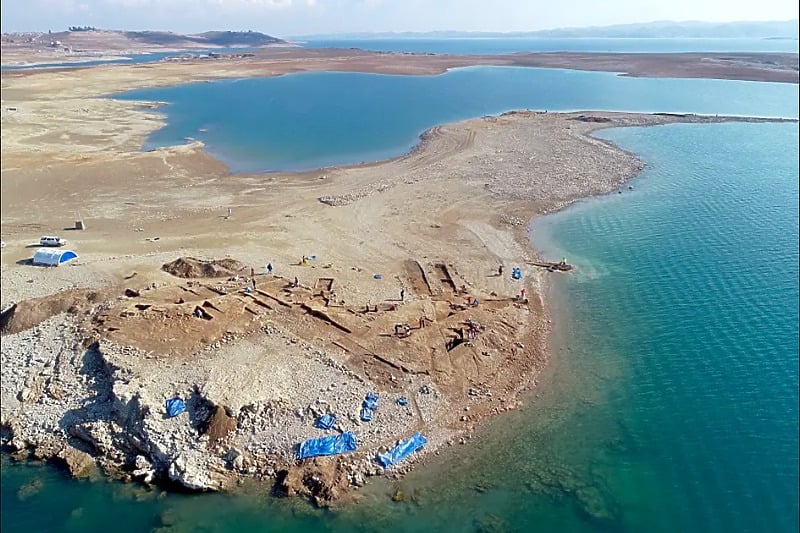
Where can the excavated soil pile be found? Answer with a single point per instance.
(30, 313)
(220, 425)
(189, 267)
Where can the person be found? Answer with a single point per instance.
(522, 294)
(402, 295)
(254, 282)
(500, 270)
(296, 282)
(269, 268)
(252, 272)
(421, 322)
(303, 260)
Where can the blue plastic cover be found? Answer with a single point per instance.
(402, 401)
(325, 421)
(366, 414)
(371, 401)
(175, 406)
(331, 445)
(402, 450)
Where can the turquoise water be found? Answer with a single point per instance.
(505, 45)
(312, 120)
(671, 404)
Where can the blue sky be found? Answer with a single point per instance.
(297, 17)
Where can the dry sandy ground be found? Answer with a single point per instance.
(462, 199)
(776, 67)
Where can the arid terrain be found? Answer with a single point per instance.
(93, 348)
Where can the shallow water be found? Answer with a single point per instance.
(312, 120)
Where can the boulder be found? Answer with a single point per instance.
(79, 463)
(144, 470)
(188, 470)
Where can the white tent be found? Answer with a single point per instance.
(52, 256)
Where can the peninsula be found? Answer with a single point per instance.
(266, 301)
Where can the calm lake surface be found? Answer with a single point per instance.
(318, 119)
(671, 403)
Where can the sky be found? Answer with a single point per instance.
(284, 18)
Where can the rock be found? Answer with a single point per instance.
(30, 489)
(187, 470)
(79, 463)
(144, 469)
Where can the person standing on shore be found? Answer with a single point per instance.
(500, 270)
(269, 268)
(402, 295)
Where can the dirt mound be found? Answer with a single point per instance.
(27, 314)
(322, 479)
(189, 267)
(220, 425)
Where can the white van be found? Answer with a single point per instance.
(52, 241)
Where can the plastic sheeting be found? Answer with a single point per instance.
(369, 405)
(175, 406)
(366, 414)
(325, 421)
(402, 450)
(371, 401)
(331, 445)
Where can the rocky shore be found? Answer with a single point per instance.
(94, 349)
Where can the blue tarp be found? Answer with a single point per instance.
(325, 421)
(402, 401)
(371, 401)
(369, 405)
(331, 445)
(402, 450)
(175, 406)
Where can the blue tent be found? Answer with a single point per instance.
(52, 257)
(402, 450)
(175, 406)
(325, 421)
(331, 445)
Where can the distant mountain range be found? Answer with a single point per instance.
(214, 38)
(787, 29)
(87, 37)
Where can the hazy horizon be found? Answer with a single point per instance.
(295, 18)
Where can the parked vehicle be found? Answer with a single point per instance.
(52, 241)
